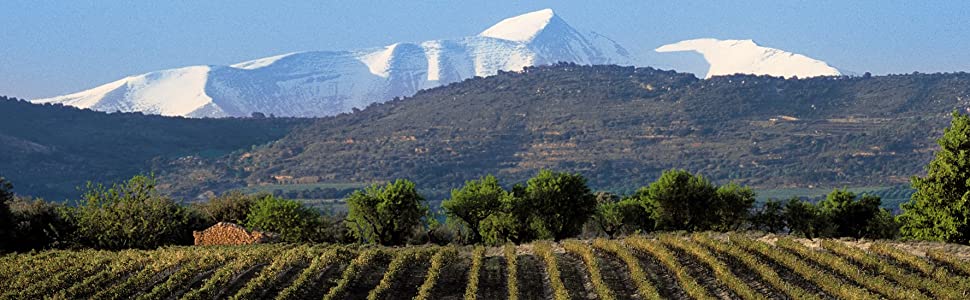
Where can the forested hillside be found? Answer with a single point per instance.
(619, 127)
(50, 150)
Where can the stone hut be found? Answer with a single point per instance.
(224, 233)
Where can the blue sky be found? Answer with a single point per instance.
(57, 47)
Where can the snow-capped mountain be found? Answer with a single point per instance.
(729, 57)
(321, 83)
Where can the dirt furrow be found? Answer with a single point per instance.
(531, 278)
(325, 280)
(842, 278)
(575, 276)
(240, 280)
(453, 279)
(616, 275)
(703, 274)
(794, 278)
(369, 278)
(749, 276)
(492, 281)
(408, 281)
(662, 278)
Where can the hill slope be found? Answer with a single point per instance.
(620, 127)
(50, 150)
(323, 83)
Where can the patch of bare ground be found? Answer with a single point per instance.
(370, 276)
(703, 274)
(492, 279)
(453, 279)
(616, 275)
(575, 276)
(662, 278)
(406, 285)
(532, 278)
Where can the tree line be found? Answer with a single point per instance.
(550, 205)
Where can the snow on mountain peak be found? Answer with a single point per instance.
(379, 62)
(173, 92)
(262, 62)
(324, 83)
(729, 57)
(522, 28)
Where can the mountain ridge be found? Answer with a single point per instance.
(324, 83)
(729, 57)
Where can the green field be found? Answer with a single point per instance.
(701, 266)
(303, 187)
(892, 196)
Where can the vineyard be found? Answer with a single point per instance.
(699, 266)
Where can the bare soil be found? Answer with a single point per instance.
(325, 280)
(575, 276)
(662, 278)
(406, 285)
(368, 278)
(616, 275)
(703, 274)
(492, 279)
(453, 280)
(531, 278)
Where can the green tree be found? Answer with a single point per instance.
(883, 226)
(617, 216)
(233, 207)
(681, 201)
(473, 203)
(288, 218)
(513, 222)
(853, 216)
(560, 203)
(733, 206)
(771, 217)
(803, 218)
(130, 215)
(39, 224)
(939, 210)
(386, 215)
(6, 218)
(502, 227)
